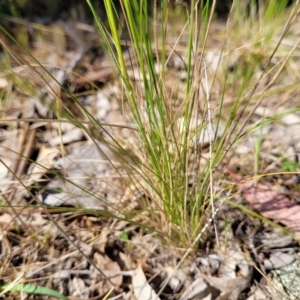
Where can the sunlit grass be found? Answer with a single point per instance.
(183, 121)
(165, 147)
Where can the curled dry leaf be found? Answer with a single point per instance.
(231, 260)
(71, 136)
(275, 239)
(78, 288)
(230, 288)
(269, 203)
(200, 290)
(258, 294)
(44, 161)
(141, 288)
(177, 278)
(107, 265)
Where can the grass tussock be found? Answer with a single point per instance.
(226, 79)
(187, 98)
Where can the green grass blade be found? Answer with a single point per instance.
(33, 289)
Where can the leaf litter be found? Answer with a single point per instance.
(48, 158)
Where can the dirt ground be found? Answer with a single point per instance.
(60, 187)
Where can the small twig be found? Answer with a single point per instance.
(90, 274)
(20, 148)
(29, 138)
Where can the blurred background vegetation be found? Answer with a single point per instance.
(45, 11)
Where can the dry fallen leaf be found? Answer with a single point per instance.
(230, 288)
(44, 161)
(258, 294)
(200, 290)
(141, 288)
(177, 278)
(107, 265)
(269, 203)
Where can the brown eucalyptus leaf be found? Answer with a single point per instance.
(269, 203)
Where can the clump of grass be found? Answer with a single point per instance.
(168, 136)
(169, 119)
(163, 139)
(180, 130)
